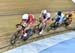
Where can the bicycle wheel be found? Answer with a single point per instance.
(29, 33)
(51, 27)
(36, 29)
(13, 38)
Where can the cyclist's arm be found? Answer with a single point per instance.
(28, 27)
(47, 17)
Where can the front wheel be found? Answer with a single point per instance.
(53, 26)
(36, 29)
(48, 29)
(13, 38)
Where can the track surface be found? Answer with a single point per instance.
(7, 23)
(21, 6)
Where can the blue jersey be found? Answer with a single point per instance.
(59, 18)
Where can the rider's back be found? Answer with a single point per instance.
(30, 18)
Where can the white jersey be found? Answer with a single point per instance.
(47, 15)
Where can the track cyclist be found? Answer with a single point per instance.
(59, 18)
(28, 22)
(44, 19)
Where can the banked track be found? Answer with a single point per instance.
(30, 40)
(37, 38)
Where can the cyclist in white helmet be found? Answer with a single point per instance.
(24, 19)
(27, 21)
(44, 18)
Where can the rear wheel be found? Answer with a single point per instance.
(66, 24)
(29, 33)
(48, 29)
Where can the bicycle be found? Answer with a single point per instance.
(55, 25)
(19, 34)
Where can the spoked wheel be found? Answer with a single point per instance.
(53, 26)
(16, 34)
(13, 38)
(49, 28)
(36, 29)
(66, 24)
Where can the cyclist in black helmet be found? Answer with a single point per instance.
(59, 18)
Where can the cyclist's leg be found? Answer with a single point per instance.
(27, 33)
(56, 23)
(43, 27)
(25, 30)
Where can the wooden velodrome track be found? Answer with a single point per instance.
(21, 6)
(14, 8)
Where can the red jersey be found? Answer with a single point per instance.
(30, 19)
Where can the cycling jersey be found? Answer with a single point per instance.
(45, 16)
(59, 18)
(28, 18)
